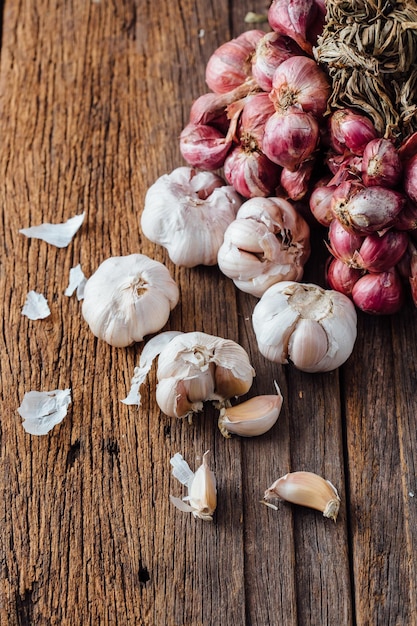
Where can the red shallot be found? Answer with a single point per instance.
(272, 49)
(410, 178)
(344, 244)
(341, 277)
(231, 64)
(300, 82)
(350, 131)
(296, 183)
(293, 18)
(291, 137)
(367, 209)
(378, 253)
(204, 146)
(379, 293)
(320, 203)
(250, 172)
(381, 164)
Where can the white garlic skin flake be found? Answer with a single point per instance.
(268, 242)
(196, 367)
(314, 328)
(127, 298)
(187, 212)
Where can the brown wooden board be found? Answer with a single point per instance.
(93, 97)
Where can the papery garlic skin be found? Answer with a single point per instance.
(201, 500)
(187, 212)
(251, 418)
(314, 328)
(268, 242)
(196, 367)
(306, 489)
(127, 298)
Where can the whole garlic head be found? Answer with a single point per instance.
(313, 327)
(268, 242)
(187, 212)
(127, 298)
(196, 367)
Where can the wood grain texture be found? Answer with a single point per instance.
(93, 96)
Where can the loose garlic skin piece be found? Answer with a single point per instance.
(268, 242)
(196, 367)
(187, 212)
(251, 418)
(127, 298)
(314, 328)
(306, 489)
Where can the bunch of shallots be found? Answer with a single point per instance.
(261, 119)
(369, 206)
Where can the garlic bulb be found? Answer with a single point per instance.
(187, 212)
(196, 367)
(306, 489)
(268, 242)
(310, 326)
(127, 298)
(201, 500)
(254, 417)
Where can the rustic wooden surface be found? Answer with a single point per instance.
(93, 96)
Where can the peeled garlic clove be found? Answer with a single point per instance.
(254, 417)
(187, 212)
(127, 298)
(268, 242)
(306, 489)
(313, 327)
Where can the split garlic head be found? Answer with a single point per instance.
(268, 242)
(196, 367)
(127, 298)
(187, 212)
(314, 328)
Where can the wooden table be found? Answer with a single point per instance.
(93, 96)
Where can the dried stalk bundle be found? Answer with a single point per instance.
(369, 49)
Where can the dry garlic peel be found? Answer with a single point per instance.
(201, 500)
(314, 328)
(251, 418)
(268, 242)
(127, 298)
(196, 367)
(187, 212)
(306, 489)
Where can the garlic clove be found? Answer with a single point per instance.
(202, 494)
(201, 500)
(251, 418)
(306, 489)
(127, 298)
(172, 399)
(308, 344)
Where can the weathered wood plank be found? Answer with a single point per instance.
(383, 549)
(93, 96)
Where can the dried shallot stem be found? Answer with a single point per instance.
(369, 50)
